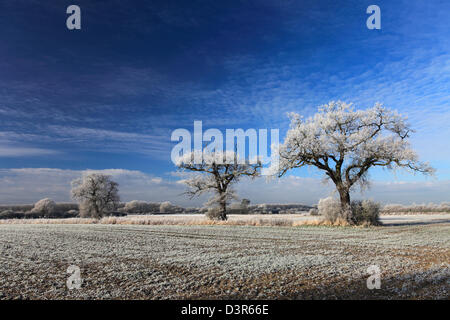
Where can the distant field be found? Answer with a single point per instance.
(180, 262)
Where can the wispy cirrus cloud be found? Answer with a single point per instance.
(84, 138)
(11, 146)
(13, 151)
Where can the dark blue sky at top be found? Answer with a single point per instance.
(109, 95)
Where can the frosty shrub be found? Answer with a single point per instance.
(214, 213)
(141, 207)
(166, 207)
(330, 209)
(365, 212)
(45, 207)
(72, 213)
(313, 212)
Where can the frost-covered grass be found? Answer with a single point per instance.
(178, 219)
(287, 220)
(220, 261)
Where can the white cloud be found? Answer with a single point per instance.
(10, 151)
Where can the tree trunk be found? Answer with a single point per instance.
(97, 210)
(223, 210)
(346, 210)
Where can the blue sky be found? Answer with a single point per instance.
(109, 95)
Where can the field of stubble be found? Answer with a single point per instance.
(217, 262)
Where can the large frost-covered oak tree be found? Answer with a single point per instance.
(216, 173)
(345, 143)
(97, 194)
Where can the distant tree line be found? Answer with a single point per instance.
(443, 207)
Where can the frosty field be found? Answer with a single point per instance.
(216, 262)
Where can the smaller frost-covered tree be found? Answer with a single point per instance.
(136, 206)
(216, 173)
(45, 207)
(97, 194)
(166, 207)
(345, 143)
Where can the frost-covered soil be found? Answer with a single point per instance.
(215, 262)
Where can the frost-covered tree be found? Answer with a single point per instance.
(45, 206)
(345, 143)
(97, 194)
(166, 207)
(217, 173)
